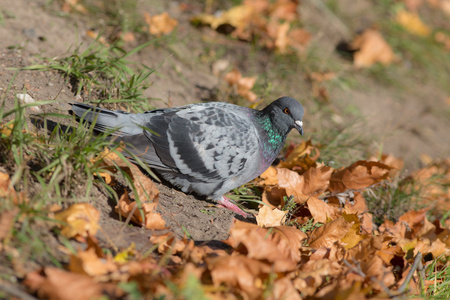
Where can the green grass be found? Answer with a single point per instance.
(392, 199)
(107, 71)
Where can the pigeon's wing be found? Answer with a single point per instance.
(207, 142)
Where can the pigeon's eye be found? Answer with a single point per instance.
(287, 111)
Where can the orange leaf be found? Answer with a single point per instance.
(160, 24)
(328, 234)
(53, 283)
(321, 211)
(371, 48)
(359, 175)
(150, 219)
(89, 263)
(81, 220)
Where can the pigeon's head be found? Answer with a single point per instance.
(287, 112)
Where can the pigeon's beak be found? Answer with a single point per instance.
(299, 126)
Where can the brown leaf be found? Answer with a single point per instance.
(268, 217)
(168, 242)
(329, 233)
(160, 24)
(79, 220)
(312, 183)
(359, 175)
(303, 156)
(269, 177)
(239, 272)
(358, 206)
(55, 284)
(7, 218)
(321, 211)
(274, 197)
(150, 218)
(89, 263)
(371, 48)
(279, 245)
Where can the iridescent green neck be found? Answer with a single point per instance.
(274, 137)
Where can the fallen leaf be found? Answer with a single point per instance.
(168, 242)
(7, 218)
(269, 176)
(55, 284)
(359, 175)
(79, 220)
(321, 211)
(268, 217)
(149, 218)
(329, 233)
(412, 23)
(303, 156)
(312, 183)
(160, 24)
(89, 263)
(239, 272)
(371, 48)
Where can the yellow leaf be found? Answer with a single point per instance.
(125, 255)
(412, 23)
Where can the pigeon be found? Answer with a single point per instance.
(204, 148)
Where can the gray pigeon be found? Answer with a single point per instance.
(206, 148)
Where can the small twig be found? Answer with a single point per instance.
(416, 265)
(385, 288)
(356, 269)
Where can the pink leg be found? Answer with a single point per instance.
(227, 203)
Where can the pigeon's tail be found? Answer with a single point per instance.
(105, 120)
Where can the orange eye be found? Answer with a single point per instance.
(286, 111)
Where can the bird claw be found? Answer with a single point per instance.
(227, 203)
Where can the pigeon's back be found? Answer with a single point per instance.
(207, 148)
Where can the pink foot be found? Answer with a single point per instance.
(227, 203)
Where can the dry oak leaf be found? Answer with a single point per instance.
(304, 156)
(412, 23)
(274, 197)
(330, 233)
(321, 211)
(160, 24)
(269, 176)
(358, 206)
(55, 284)
(279, 245)
(147, 217)
(283, 288)
(312, 183)
(89, 263)
(240, 272)
(312, 274)
(268, 217)
(371, 48)
(168, 242)
(359, 175)
(79, 220)
(389, 250)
